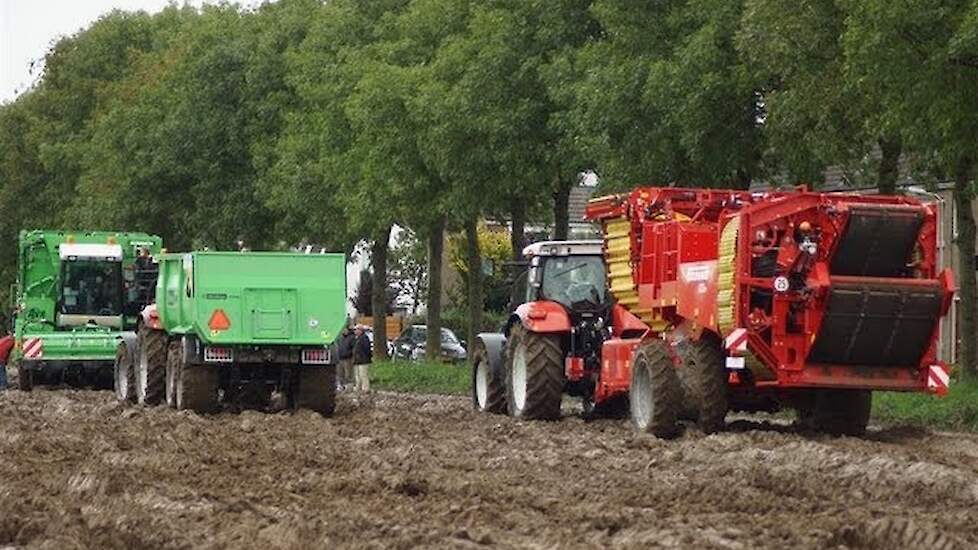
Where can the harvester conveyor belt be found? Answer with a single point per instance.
(877, 323)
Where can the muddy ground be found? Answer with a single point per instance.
(78, 470)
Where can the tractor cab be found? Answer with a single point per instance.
(571, 273)
(91, 290)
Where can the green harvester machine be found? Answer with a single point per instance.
(77, 295)
(226, 325)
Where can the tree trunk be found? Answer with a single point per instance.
(474, 257)
(561, 205)
(889, 168)
(967, 306)
(436, 252)
(378, 261)
(518, 212)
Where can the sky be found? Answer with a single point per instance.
(29, 27)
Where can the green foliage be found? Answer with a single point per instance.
(956, 411)
(496, 252)
(421, 377)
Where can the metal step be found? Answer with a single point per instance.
(877, 323)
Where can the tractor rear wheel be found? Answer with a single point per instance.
(655, 393)
(703, 379)
(488, 388)
(317, 389)
(837, 412)
(25, 377)
(534, 374)
(151, 367)
(125, 375)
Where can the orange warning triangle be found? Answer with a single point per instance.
(219, 320)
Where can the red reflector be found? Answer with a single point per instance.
(319, 356)
(219, 320)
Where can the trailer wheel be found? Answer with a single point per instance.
(488, 388)
(655, 393)
(191, 386)
(837, 412)
(151, 367)
(125, 375)
(25, 377)
(317, 389)
(703, 379)
(534, 374)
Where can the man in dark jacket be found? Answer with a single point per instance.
(362, 351)
(345, 350)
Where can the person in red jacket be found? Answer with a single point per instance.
(6, 345)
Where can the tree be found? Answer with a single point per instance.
(919, 57)
(814, 116)
(663, 97)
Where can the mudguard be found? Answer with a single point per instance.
(543, 316)
(150, 316)
(495, 346)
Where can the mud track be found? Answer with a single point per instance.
(78, 470)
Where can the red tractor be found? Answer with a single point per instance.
(729, 300)
(552, 342)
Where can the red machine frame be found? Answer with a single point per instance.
(674, 244)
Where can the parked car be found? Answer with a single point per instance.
(370, 336)
(412, 345)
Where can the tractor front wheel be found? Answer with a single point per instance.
(703, 379)
(534, 374)
(151, 367)
(125, 376)
(655, 393)
(488, 387)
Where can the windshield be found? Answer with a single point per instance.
(91, 287)
(570, 279)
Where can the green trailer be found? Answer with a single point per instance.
(232, 324)
(77, 295)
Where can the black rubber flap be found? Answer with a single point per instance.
(878, 241)
(879, 324)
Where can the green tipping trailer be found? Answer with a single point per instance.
(77, 294)
(235, 324)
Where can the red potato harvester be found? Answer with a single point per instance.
(756, 301)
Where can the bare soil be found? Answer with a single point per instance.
(78, 470)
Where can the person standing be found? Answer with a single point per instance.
(346, 375)
(361, 359)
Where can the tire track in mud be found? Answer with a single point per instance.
(79, 470)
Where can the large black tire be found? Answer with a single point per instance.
(488, 388)
(151, 367)
(190, 386)
(655, 394)
(124, 374)
(317, 389)
(197, 388)
(534, 375)
(703, 378)
(836, 412)
(25, 377)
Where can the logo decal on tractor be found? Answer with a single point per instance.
(33, 348)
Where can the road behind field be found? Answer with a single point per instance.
(79, 470)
